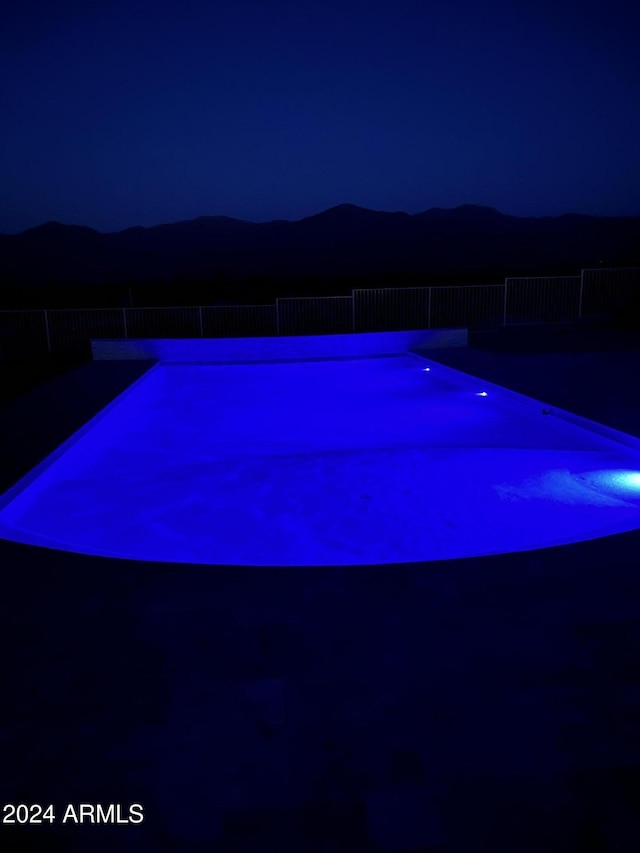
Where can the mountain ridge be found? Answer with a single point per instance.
(344, 240)
(344, 207)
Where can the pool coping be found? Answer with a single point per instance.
(520, 400)
(24, 482)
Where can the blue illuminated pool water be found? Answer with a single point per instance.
(349, 462)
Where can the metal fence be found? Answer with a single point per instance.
(68, 329)
(391, 310)
(24, 334)
(29, 333)
(239, 321)
(162, 322)
(468, 306)
(608, 290)
(329, 315)
(541, 300)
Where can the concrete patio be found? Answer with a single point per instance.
(490, 704)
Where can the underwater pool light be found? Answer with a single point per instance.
(427, 369)
(622, 481)
(481, 394)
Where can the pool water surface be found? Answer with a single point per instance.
(345, 462)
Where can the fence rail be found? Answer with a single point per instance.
(542, 300)
(69, 328)
(517, 301)
(391, 310)
(608, 290)
(239, 321)
(329, 315)
(470, 306)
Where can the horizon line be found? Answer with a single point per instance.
(313, 215)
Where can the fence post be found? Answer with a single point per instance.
(580, 300)
(353, 313)
(201, 327)
(124, 317)
(504, 313)
(277, 317)
(46, 325)
(429, 311)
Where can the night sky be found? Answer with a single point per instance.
(137, 113)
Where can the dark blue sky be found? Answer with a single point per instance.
(136, 113)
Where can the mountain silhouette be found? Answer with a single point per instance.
(345, 241)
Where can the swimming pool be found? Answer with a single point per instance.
(356, 461)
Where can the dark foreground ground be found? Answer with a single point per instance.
(473, 705)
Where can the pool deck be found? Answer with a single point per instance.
(490, 704)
